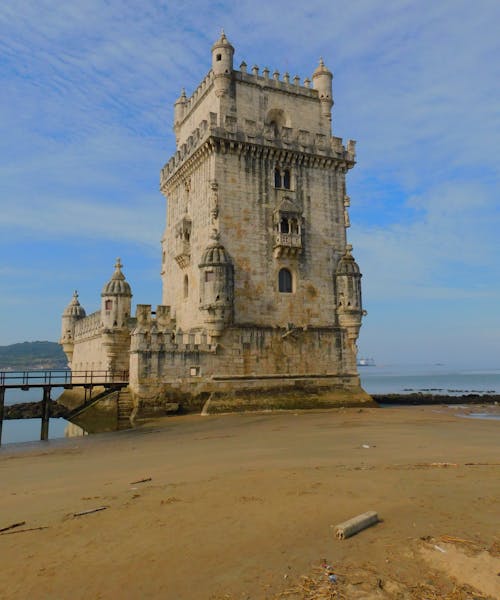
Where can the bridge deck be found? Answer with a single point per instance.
(57, 378)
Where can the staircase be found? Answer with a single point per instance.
(125, 408)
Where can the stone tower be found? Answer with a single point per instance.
(255, 240)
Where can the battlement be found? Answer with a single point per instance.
(273, 81)
(246, 131)
(88, 327)
(156, 331)
(203, 88)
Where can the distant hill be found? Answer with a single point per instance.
(32, 355)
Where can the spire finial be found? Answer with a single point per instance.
(118, 264)
(321, 63)
(75, 295)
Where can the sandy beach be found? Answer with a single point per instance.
(244, 506)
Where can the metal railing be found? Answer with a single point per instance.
(61, 377)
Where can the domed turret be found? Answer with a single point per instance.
(72, 313)
(348, 288)
(116, 300)
(74, 308)
(216, 286)
(222, 64)
(322, 81)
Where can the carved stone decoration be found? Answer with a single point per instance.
(214, 202)
(347, 203)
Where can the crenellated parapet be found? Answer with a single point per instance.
(156, 331)
(249, 137)
(89, 327)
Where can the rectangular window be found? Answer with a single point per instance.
(209, 275)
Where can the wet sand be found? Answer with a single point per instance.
(241, 506)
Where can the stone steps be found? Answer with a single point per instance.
(125, 408)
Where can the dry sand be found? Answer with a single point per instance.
(243, 506)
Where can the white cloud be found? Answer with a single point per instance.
(450, 250)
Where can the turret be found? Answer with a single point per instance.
(216, 287)
(179, 111)
(116, 300)
(322, 81)
(348, 288)
(222, 64)
(72, 313)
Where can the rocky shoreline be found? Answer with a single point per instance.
(420, 398)
(33, 410)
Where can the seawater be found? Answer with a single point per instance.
(432, 379)
(28, 430)
(385, 379)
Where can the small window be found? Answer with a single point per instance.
(286, 179)
(277, 178)
(218, 57)
(285, 281)
(108, 304)
(209, 275)
(186, 286)
(194, 371)
(284, 225)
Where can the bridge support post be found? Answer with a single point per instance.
(44, 432)
(2, 401)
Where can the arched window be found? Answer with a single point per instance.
(186, 286)
(284, 225)
(285, 281)
(286, 179)
(108, 304)
(277, 178)
(294, 226)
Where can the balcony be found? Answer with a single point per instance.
(287, 244)
(182, 252)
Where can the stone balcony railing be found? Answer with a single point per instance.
(287, 244)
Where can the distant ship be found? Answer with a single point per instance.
(365, 362)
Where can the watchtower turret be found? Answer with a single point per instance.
(116, 298)
(179, 111)
(349, 305)
(222, 64)
(322, 81)
(216, 287)
(72, 313)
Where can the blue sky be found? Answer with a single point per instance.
(86, 105)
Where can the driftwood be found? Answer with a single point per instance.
(90, 511)
(141, 480)
(356, 524)
(24, 530)
(12, 526)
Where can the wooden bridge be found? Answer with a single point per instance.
(64, 378)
